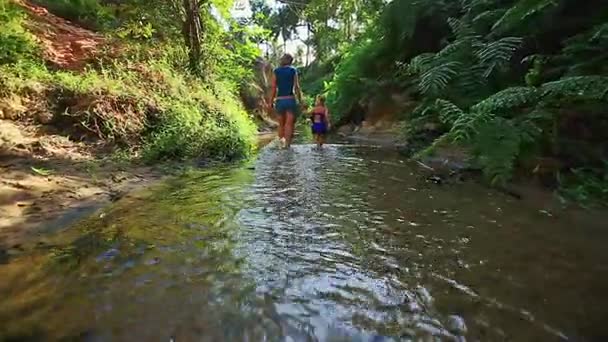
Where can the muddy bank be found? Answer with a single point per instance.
(48, 180)
(45, 176)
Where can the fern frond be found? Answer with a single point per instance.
(528, 130)
(441, 141)
(587, 52)
(421, 62)
(489, 17)
(470, 85)
(461, 28)
(495, 54)
(521, 11)
(448, 112)
(424, 109)
(497, 146)
(458, 49)
(578, 87)
(437, 78)
(476, 5)
(508, 99)
(466, 126)
(540, 114)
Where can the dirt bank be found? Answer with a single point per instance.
(46, 175)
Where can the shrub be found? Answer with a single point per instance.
(88, 13)
(15, 42)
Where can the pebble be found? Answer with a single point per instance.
(456, 325)
(108, 255)
(424, 295)
(413, 307)
(153, 261)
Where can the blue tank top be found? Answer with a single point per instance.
(285, 76)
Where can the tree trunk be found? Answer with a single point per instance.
(307, 43)
(192, 33)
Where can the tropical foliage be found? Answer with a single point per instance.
(165, 82)
(515, 82)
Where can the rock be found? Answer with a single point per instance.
(367, 128)
(4, 257)
(108, 255)
(412, 307)
(456, 325)
(430, 126)
(429, 329)
(116, 195)
(424, 295)
(345, 130)
(435, 179)
(153, 261)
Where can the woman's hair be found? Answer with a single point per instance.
(321, 99)
(287, 59)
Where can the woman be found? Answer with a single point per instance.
(285, 88)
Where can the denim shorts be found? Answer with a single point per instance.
(283, 106)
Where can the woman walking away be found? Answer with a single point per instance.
(320, 120)
(285, 87)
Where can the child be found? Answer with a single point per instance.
(320, 120)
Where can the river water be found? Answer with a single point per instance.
(345, 244)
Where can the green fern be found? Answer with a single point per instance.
(488, 17)
(593, 88)
(587, 52)
(470, 86)
(445, 139)
(521, 11)
(461, 28)
(467, 126)
(508, 99)
(496, 148)
(420, 62)
(436, 79)
(458, 49)
(527, 128)
(424, 109)
(475, 6)
(448, 112)
(497, 54)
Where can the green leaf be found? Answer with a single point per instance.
(521, 11)
(41, 171)
(508, 99)
(437, 78)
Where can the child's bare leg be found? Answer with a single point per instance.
(321, 140)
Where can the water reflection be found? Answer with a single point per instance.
(343, 244)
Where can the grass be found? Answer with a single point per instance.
(142, 104)
(41, 171)
(88, 13)
(142, 101)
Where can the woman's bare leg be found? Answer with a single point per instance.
(289, 122)
(281, 130)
